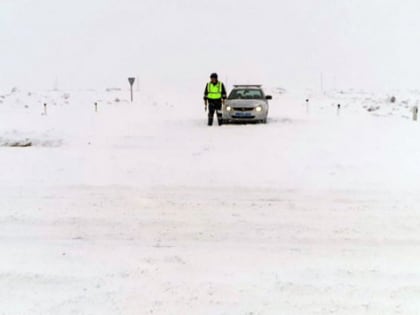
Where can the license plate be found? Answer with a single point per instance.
(239, 114)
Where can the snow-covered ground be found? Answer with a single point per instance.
(143, 209)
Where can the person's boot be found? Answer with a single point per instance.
(219, 118)
(210, 122)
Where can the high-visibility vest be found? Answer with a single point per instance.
(214, 91)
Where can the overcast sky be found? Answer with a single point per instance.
(98, 43)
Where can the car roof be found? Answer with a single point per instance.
(258, 86)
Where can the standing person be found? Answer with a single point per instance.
(214, 97)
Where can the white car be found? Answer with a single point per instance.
(246, 103)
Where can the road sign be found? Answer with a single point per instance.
(131, 81)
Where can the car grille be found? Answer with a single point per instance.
(243, 109)
(243, 117)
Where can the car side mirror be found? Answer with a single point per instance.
(268, 97)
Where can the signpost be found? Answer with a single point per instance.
(131, 81)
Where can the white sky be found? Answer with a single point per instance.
(99, 43)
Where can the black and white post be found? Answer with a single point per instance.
(415, 113)
(131, 81)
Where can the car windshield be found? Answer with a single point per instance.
(246, 94)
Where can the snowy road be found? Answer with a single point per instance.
(310, 214)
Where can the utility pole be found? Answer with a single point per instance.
(55, 87)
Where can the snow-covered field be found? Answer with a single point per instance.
(143, 209)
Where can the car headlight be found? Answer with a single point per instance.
(228, 108)
(259, 108)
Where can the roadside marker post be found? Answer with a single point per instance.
(338, 109)
(131, 81)
(415, 113)
(45, 109)
(96, 106)
(307, 106)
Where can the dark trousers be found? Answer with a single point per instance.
(215, 106)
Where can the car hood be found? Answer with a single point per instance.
(245, 103)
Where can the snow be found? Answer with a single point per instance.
(140, 208)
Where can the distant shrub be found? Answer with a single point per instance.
(66, 96)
